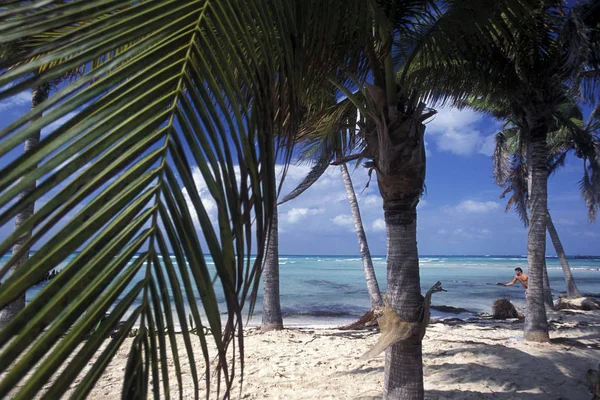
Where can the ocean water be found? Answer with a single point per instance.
(331, 290)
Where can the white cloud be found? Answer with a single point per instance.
(344, 220)
(378, 225)
(207, 200)
(452, 118)
(474, 207)
(471, 233)
(455, 131)
(296, 214)
(422, 204)
(564, 222)
(370, 201)
(461, 143)
(487, 148)
(20, 99)
(591, 234)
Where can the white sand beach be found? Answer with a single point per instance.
(473, 360)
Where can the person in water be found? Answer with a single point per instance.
(519, 276)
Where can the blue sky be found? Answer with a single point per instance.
(461, 212)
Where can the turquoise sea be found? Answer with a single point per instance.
(331, 290)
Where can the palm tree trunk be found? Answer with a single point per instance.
(536, 324)
(572, 289)
(372, 285)
(403, 361)
(271, 319)
(38, 95)
(401, 177)
(548, 301)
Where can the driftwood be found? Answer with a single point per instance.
(369, 319)
(395, 329)
(578, 303)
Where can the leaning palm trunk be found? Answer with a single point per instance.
(38, 95)
(548, 300)
(372, 285)
(536, 324)
(401, 177)
(572, 289)
(272, 319)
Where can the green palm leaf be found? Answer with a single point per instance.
(154, 145)
(163, 88)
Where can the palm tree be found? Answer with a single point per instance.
(526, 78)
(572, 289)
(19, 49)
(325, 136)
(372, 285)
(203, 84)
(391, 134)
(272, 318)
(568, 134)
(38, 95)
(325, 159)
(199, 85)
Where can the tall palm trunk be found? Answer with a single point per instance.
(272, 319)
(38, 95)
(572, 289)
(536, 324)
(372, 285)
(401, 178)
(403, 361)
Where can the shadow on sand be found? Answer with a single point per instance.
(531, 373)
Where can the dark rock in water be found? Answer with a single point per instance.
(450, 309)
(452, 321)
(595, 295)
(504, 309)
(48, 277)
(578, 303)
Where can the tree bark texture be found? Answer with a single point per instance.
(572, 289)
(398, 152)
(365, 254)
(271, 319)
(403, 361)
(536, 324)
(38, 95)
(548, 300)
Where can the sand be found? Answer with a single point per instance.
(473, 360)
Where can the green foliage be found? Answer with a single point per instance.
(165, 91)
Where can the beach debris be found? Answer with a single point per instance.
(593, 378)
(504, 309)
(395, 329)
(368, 320)
(578, 303)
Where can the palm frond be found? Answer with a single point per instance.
(501, 158)
(191, 96)
(518, 185)
(314, 174)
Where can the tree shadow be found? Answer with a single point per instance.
(367, 370)
(507, 372)
(469, 394)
